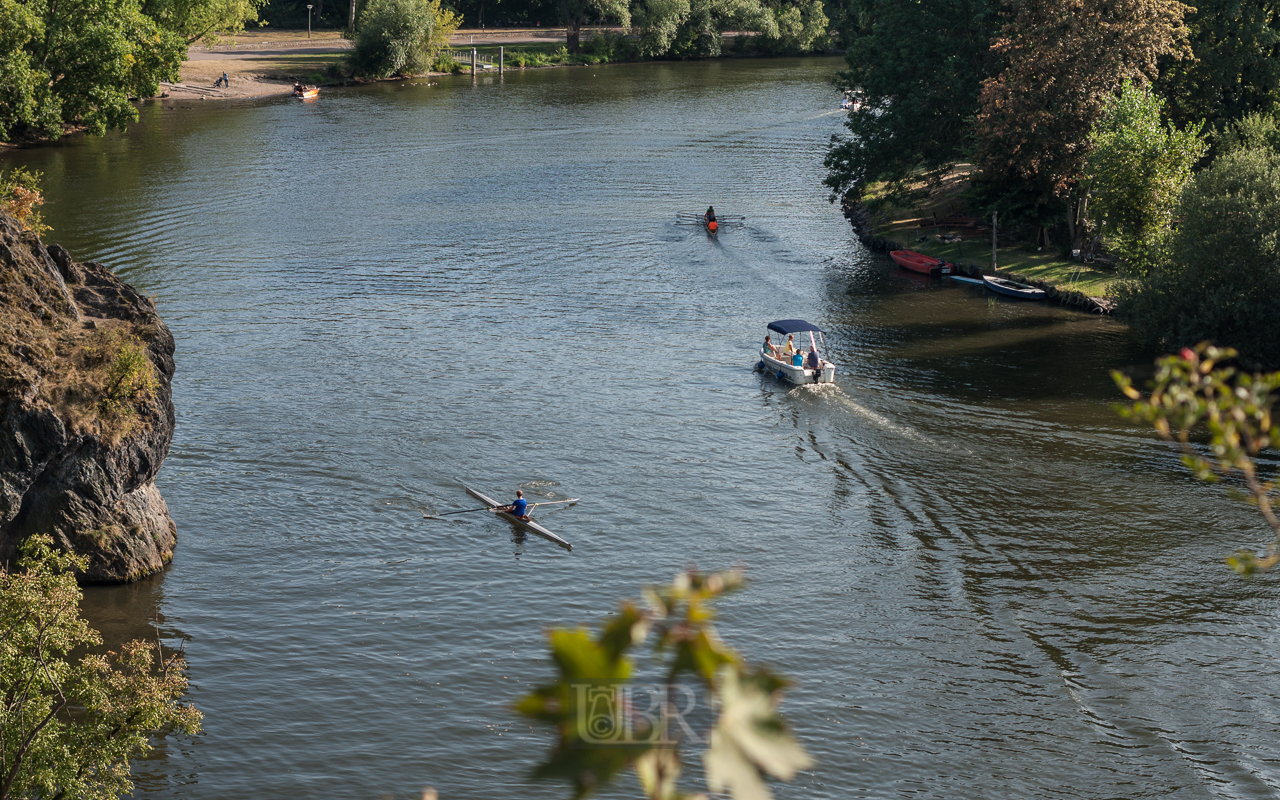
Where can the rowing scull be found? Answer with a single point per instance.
(514, 520)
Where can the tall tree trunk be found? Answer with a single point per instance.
(319, 11)
(351, 19)
(573, 36)
(1072, 205)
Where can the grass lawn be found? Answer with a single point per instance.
(1048, 267)
(946, 199)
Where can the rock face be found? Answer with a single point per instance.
(86, 411)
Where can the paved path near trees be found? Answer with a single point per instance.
(282, 43)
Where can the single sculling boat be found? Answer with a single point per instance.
(712, 225)
(306, 92)
(1010, 288)
(919, 262)
(523, 525)
(783, 369)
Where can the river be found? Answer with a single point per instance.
(985, 583)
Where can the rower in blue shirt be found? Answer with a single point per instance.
(518, 507)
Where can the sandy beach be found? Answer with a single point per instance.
(264, 63)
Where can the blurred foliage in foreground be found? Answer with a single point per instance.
(69, 725)
(603, 732)
(1191, 390)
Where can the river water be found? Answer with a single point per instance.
(984, 583)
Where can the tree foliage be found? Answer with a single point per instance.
(1138, 165)
(21, 198)
(1191, 390)
(1236, 66)
(207, 20)
(400, 37)
(575, 13)
(918, 69)
(68, 727)
(602, 732)
(1064, 59)
(1219, 277)
(79, 64)
(695, 27)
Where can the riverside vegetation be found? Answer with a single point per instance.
(72, 721)
(1088, 127)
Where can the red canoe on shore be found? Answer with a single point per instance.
(918, 262)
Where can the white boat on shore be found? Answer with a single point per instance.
(780, 366)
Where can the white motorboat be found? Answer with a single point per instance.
(781, 366)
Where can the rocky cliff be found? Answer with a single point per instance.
(86, 411)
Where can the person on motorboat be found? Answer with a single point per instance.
(517, 509)
(797, 359)
(711, 214)
(790, 349)
(815, 362)
(769, 346)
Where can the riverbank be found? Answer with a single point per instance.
(968, 245)
(938, 224)
(267, 63)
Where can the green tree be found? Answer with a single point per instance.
(696, 27)
(801, 28)
(918, 68)
(196, 20)
(400, 37)
(1219, 276)
(576, 13)
(600, 732)
(1258, 130)
(1191, 391)
(79, 64)
(1138, 166)
(68, 727)
(1064, 59)
(1236, 66)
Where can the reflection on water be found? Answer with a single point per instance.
(985, 583)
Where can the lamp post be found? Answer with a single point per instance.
(308, 20)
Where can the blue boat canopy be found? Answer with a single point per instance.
(785, 326)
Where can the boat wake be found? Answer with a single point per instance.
(832, 393)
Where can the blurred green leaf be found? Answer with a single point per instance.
(750, 739)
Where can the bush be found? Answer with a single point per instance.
(20, 197)
(445, 63)
(400, 37)
(1138, 167)
(1220, 278)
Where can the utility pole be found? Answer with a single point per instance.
(308, 20)
(993, 241)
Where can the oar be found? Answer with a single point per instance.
(490, 508)
(554, 503)
(468, 511)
